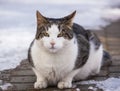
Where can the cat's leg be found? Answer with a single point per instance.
(96, 70)
(93, 64)
(97, 61)
(40, 81)
(66, 82)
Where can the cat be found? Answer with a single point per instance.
(63, 51)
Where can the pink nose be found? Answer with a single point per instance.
(52, 43)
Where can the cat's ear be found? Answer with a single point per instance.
(40, 18)
(68, 20)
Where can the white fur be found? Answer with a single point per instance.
(54, 66)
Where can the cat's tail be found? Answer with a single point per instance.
(107, 59)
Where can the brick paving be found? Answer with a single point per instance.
(22, 77)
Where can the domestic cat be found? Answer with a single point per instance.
(63, 51)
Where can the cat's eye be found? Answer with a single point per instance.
(65, 35)
(46, 34)
(60, 35)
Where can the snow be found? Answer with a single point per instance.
(90, 87)
(111, 84)
(77, 89)
(18, 22)
(112, 14)
(14, 47)
(5, 86)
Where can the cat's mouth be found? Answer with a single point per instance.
(53, 48)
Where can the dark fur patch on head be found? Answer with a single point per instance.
(42, 31)
(66, 32)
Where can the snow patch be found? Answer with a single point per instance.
(111, 84)
(112, 14)
(78, 89)
(13, 47)
(5, 86)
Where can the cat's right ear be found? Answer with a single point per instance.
(41, 20)
(68, 20)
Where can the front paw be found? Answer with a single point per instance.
(40, 85)
(64, 84)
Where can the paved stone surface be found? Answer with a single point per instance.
(22, 77)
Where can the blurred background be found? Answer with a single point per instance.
(18, 22)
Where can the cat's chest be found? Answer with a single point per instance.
(47, 61)
(63, 62)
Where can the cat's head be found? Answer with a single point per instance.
(54, 34)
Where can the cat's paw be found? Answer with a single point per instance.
(40, 85)
(63, 84)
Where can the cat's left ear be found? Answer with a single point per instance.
(68, 20)
(40, 18)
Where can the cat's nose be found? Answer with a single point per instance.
(52, 43)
